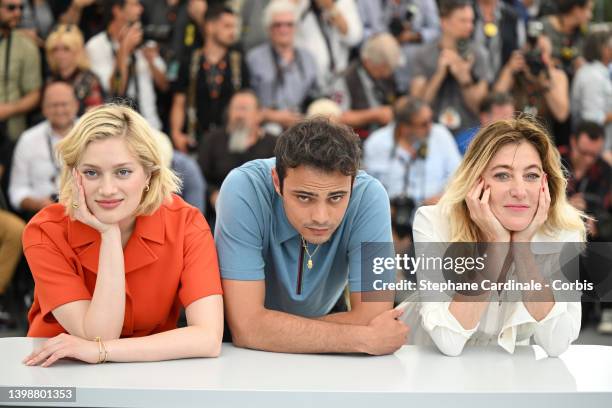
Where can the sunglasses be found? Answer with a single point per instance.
(13, 7)
(288, 24)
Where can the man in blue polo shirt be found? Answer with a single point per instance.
(289, 235)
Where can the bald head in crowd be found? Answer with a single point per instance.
(60, 106)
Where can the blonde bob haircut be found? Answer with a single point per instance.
(113, 120)
(488, 141)
(70, 36)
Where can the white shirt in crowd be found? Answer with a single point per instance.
(102, 57)
(504, 323)
(310, 36)
(35, 170)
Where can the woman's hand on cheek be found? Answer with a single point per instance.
(80, 210)
(477, 202)
(540, 216)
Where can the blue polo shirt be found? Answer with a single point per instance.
(255, 241)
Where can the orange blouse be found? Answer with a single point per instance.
(170, 261)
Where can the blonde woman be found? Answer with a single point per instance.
(68, 62)
(120, 254)
(508, 192)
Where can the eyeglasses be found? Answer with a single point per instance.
(279, 24)
(13, 7)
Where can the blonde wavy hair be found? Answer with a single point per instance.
(70, 36)
(113, 120)
(488, 141)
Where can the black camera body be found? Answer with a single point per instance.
(533, 59)
(160, 33)
(396, 26)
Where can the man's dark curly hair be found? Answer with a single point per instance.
(318, 143)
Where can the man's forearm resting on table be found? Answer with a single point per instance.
(270, 330)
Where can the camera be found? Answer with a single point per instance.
(463, 48)
(159, 33)
(533, 57)
(402, 208)
(396, 26)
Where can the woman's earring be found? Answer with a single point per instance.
(147, 188)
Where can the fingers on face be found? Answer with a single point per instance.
(484, 201)
(476, 190)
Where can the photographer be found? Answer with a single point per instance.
(127, 69)
(537, 86)
(412, 157)
(499, 29)
(412, 23)
(328, 29)
(589, 187)
(566, 30)
(591, 96)
(452, 73)
(21, 79)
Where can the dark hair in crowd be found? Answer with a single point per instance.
(593, 43)
(495, 99)
(215, 11)
(108, 9)
(318, 143)
(406, 108)
(565, 6)
(446, 7)
(593, 130)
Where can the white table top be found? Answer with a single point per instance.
(480, 376)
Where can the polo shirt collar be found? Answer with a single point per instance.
(283, 228)
(137, 253)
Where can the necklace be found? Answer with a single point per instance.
(309, 263)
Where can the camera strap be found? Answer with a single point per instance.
(131, 75)
(192, 117)
(7, 60)
(297, 59)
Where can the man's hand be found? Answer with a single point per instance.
(446, 58)
(6, 111)
(386, 334)
(516, 63)
(325, 4)
(82, 3)
(182, 141)
(196, 10)
(384, 115)
(150, 52)
(130, 38)
(461, 69)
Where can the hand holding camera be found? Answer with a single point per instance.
(130, 38)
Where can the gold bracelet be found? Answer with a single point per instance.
(105, 352)
(99, 341)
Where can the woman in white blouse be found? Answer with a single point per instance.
(509, 189)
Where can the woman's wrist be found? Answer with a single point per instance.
(112, 231)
